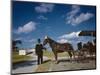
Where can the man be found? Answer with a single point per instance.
(79, 45)
(39, 52)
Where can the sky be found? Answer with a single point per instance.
(61, 22)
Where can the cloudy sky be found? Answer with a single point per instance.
(61, 22)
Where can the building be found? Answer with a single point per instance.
(22, 52)
(26, 51)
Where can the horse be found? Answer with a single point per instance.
(59, 47)
(91, 49)
(87, 49)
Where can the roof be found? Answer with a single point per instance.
(88, 33)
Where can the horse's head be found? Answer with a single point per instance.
(46, 40)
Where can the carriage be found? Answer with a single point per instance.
(87, 49)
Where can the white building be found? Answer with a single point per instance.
(27, 51)
(22, 52)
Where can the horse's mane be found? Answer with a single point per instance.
(52, 40)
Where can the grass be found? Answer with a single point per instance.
(44, 67)
(50, 54)
(19, 58)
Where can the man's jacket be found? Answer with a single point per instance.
(39, 49)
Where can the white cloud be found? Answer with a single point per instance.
(62, 40)
(32, 40)
(74, 11)
(69, 38)
(19, 38)
(83, 17)
(26, 39)
(44, 8)
(41, 17)
(30, 26)
(79, 19)
(75, 17)
(70, 35)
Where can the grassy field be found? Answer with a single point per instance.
(50, 54)
(19, 58)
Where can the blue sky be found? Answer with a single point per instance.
(61, 22)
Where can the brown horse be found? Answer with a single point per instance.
(87, 49)
(58, 47)
(90, 48)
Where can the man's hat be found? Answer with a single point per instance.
(39, 40)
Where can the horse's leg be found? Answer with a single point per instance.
(73, 55)
(70, 54)
(56, 58)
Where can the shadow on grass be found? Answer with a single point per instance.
(83, 60)
(46, 61)
(24, 64)
(63, 60)
(27, 63)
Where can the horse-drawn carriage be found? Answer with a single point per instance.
(89, 48)
(84, 51)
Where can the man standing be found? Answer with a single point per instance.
(79, 45)
(39, 52)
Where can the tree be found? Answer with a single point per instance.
(14, 44)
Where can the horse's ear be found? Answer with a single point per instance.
(46, 37)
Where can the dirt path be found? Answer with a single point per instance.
(31, 66)
(65, 64)
(73, 65)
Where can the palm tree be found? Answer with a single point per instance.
(14, 43)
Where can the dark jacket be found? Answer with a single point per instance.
(39, 49)
(79, 45)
